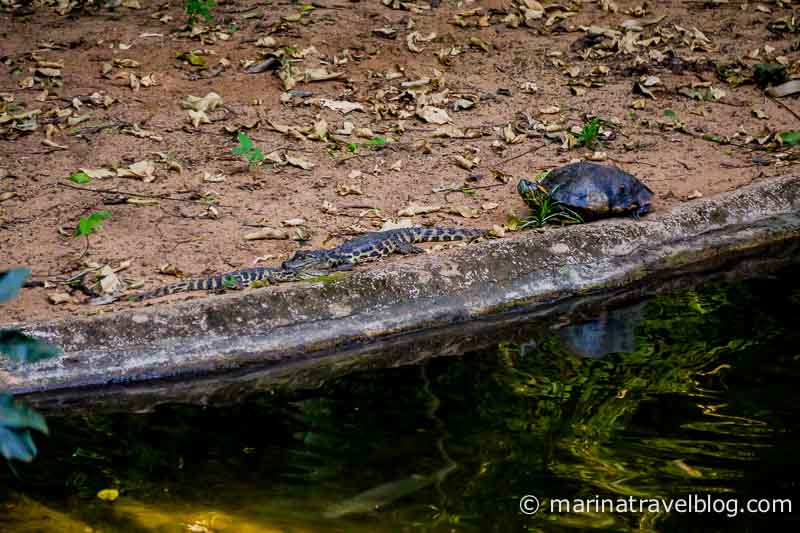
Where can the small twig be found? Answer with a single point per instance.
(632, 162)
(786, 107)
(526, 152)
(140, 195)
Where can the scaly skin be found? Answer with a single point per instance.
(373, 246)
(229, 280)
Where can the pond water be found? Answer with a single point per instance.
(692, 396)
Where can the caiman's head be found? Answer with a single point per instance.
(314, 259)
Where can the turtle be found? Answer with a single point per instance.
(591, 190)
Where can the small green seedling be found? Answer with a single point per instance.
(80, 177)
(352, 147)
(199, 8)
(376, 141)
(589, 133)
(789, 137)
(246, 148)
(669, 113)
(86, 225)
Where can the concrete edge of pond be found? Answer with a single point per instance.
(300, 323)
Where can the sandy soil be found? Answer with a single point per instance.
(191, 216)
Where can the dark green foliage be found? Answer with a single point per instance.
(16, 420)
(767, 74)
(199, 8)
(18, 346)
(544, 209)
(11, 282)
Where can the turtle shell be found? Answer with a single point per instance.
(596, 191)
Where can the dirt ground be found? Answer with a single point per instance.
(504, 90)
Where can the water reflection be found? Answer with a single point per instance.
(689, 393)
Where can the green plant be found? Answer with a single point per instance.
(376, 141)
(80, 177)
(546, 210)
(87, 225)
(199, 8)
(16, 419)
(246, 148)
(589, 133)
(789, 137)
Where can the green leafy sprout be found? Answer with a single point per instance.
(790, 137)
(246, 148)
(87, 225)
(589, 133)
(80, 177)
(199, 8)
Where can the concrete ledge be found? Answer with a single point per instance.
(296, 323)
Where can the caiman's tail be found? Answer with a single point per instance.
(210, 283)
(421, 234)
(229, 280)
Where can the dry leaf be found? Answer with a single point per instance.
(294, 222)
(344, 189)
(111, 284)
(497, 231)
(198, 117)
(209, 102)
(433, 115)
(415, 209)
(510, 137)
(549, 110)
(299, 162)
(402, 223)
(341, 106)
(8, 195)
(320, 74)
(142, 169)
(414, 37)
(57, 298)
(217, 177)
(267, 233)
(465, 211)
(268, 42)
(694, 195)
(98, 173)
(597, 156)
(488, 206)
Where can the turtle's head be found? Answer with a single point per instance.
(533, 193)
(307, 260)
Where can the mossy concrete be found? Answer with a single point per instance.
(311, 324)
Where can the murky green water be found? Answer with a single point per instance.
(700, 398)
